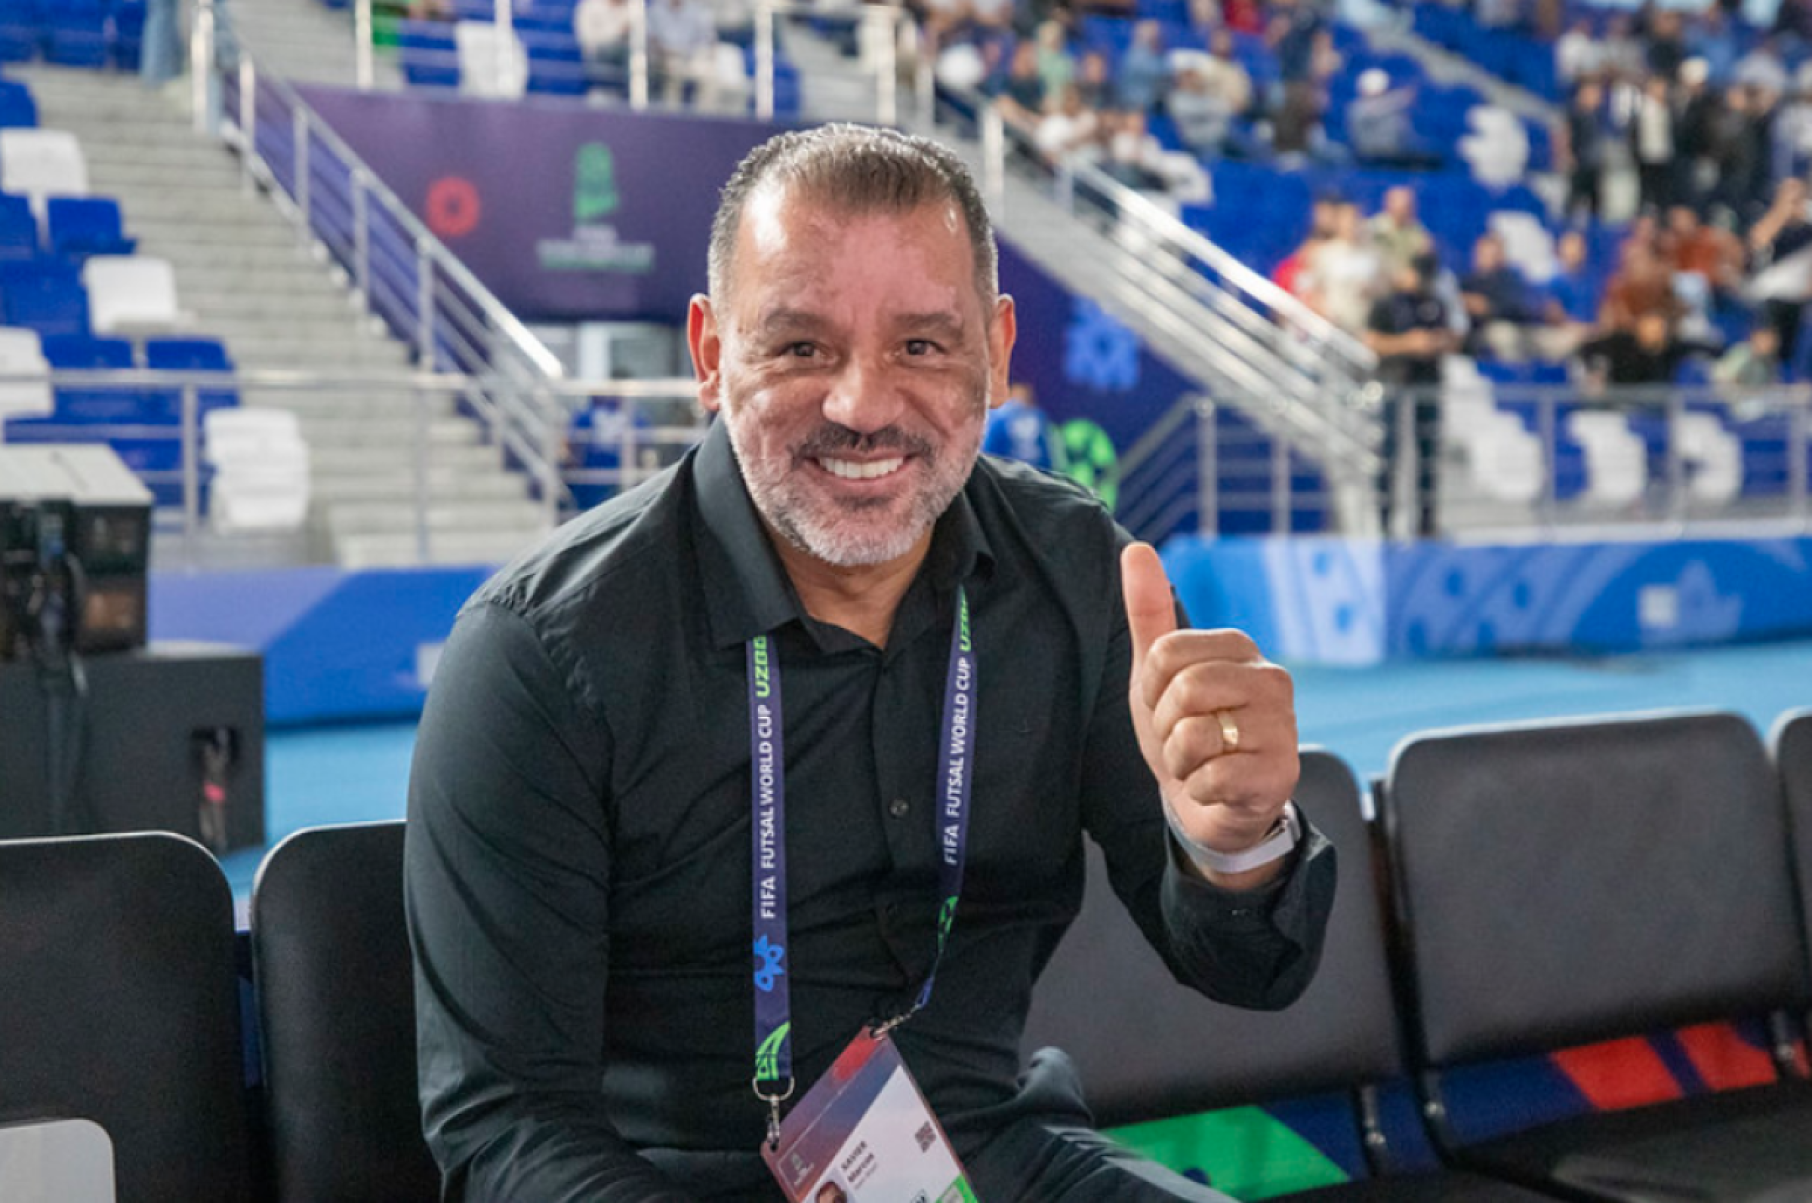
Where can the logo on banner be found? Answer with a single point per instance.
(594, 245)
(1099, 350)
(453, 208)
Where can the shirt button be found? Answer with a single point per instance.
(899, 808)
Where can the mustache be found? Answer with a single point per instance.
(832, 439)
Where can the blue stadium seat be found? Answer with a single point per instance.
(193, 354)
(128, 33)
(17, 108)
(45, 294)
(99, 403)
(81, 226)
(427, 53)
(20, 39)
(18, 230)
(75, 32)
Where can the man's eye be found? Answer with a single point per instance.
(800, 351)
(920, 346)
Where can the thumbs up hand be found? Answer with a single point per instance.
(1215, 720)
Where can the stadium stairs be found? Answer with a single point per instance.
(243, 273)
(307, 42)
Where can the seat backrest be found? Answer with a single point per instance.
(45, 295)
(1563, 883)
(336, 994)
(187, 354)
(1148, 1047)
(120, 1005)
(21, 355)
(78, 221)
(130, 291)
(76, 351)
(1792, 742)
(41, 163)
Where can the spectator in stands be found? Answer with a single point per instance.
(1620, 54)
(430, 10)
(1643, 285)
(1793, 25)
(1497, 302)
(602, 28)
(1666, 43)
(1652, 144)
(1069, 130)
(1019, 430)
(1242, 16)
(1780, 249)
(1290, 274)
(1694, 130)
(1739, 136)
(682, 49)
(1343, 273)
(1715, 41)
(1056, 65)
(1791, 138)
(1379, 127)
(1291, 36)
(1649, 353)
(1225, 75)
(1143, 75)
(163, 48)
(1708, 253)
(1577, 54)
(1583, 150)
(1132, 156)
(1762, 68)
(1572, 292)
(1754, 362)
(1398, 233)
(1409, 330)
(1022, 100)
(1202, 117)
(1095, 78)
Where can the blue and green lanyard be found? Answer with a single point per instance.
(773, 1081)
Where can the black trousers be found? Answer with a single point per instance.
(1424, 447)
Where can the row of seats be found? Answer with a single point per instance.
(73, 33)
(1540, 887)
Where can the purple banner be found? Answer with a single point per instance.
(565, 212)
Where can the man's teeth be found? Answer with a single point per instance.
(863, 469)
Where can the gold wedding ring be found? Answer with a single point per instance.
(1229, 730)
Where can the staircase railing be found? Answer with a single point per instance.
(399, 272)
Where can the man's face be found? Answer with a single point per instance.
(854, 361)
(1400, 204)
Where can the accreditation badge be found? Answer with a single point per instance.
(864, 1134)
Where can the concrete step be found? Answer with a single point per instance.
(352, 402)
(192, 255)
(215, 209)
(331, 460)
(110, 176)
(328, 431)
(249, 230)
(136, 147)
(452, 516)
(313, 356)
(273, 321)
(444, 486)
(445, 547)
(276, 300)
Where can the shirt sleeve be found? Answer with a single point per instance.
(1255, 948)
(507, 874)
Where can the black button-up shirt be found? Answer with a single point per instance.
(579, 829)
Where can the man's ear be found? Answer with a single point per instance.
(707, 350)
(1003, 330)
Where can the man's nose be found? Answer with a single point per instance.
(863, 397)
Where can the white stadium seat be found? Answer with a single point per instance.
(131, 293)
(490, 64)
(1616, 458)
(21, 355)
(261, 470)
(42, 163)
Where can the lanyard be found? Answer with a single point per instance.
(773, 1081)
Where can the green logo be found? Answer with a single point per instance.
(594, 184)
(1091, 460)
(767, 1057)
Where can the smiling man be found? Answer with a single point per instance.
(836, 690)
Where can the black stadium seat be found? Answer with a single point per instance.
(1792, 742)
(119, 1004)
(337, 1000)
(1559, 884)
(1149, 1048)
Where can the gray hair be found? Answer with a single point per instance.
(857, 169)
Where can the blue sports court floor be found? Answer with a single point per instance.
(353, 773)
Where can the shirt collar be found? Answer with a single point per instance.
(747, 592)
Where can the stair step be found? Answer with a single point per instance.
(351, 402)
(445, 548)
(385, 518)
(444, 486)
(324, 303)
(337, 460)
(329, 431)
(110, 176)
(310, 356)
